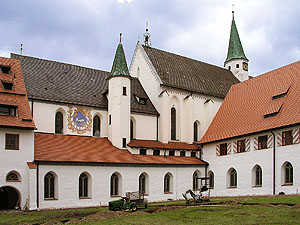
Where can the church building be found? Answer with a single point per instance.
(77, 137)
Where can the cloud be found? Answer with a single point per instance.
(122, 1)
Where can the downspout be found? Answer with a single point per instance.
(206, 174)
(37, 185)
(274, 171)
(157, 127)
(32, 108)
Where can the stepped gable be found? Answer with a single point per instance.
(14, 105)
(63, 83)
(262, 103)
(189, 74)
(80, 149)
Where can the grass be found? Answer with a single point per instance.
(238, 210)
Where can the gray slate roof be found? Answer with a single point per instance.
(58, 82)
(189, 74)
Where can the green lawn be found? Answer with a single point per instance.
(238, 210)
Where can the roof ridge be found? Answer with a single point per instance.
(185, 57)
(58, 62)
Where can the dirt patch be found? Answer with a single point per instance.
(102, 215)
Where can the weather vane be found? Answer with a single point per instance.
(120, 37)
(147, 41)
(232, 10)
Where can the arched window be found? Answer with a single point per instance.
(96, 126)
(195, 131)
(83, 185)
(288, 173)
(142, 184)
(131, 129)
(49, 186)
(232, 178)
(195, 181)
(258, 176)
(168, 183)
(59, 123)
(211, 179)
(12, 176)
(173, 123)
(114, 185)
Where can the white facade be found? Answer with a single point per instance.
(67, 182)
(245, 164)
(190, 107)
(16, 161)
(239, 68)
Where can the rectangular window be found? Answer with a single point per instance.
(109, 120)
(237, 65)
(143, 151)
(263, 142)
(156, 152)
(7, 86)
(171, 152)
(124, 91)
(124, 143)
(241, 146)
(182, 153)
(193, 154)
(5, 69)
(8, 110)
(12, 141)
(223, 149)
(287, 138)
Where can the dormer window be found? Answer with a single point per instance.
(282, 92)
(5, 69)
(141, 101)
(8, 110)
(7, 86)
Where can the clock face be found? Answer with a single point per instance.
(245, 66)
(79, 119)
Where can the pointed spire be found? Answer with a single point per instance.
(119, 67)
(235, 48)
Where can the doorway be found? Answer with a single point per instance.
(9, 198)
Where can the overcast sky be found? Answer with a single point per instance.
(86, 32)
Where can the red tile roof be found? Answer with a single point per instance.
(31, 165)
(246, 104)
(156, 144)
(16, 97)
(65, 148)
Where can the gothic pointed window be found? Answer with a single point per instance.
(232, 178)
(96, 126)
(195, 131)
(58, 123)
(131, 129)
(195, 181)
(49, 186)
(142, 184)
(258, 176)
(173, 123)
(114, 185)
(168, 183)
(83, 185)
(211, 179)
(288, 173)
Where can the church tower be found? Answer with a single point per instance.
(236, 60)
(119, 85)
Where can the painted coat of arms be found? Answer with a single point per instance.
(79, 119)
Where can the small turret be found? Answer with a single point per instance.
(119, 85)
(236, 60)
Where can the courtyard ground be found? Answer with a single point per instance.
(238, 210)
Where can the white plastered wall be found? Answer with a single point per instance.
(16, 160)
(44, 118)
(243, 163)
(67, 183)
(144, 126)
